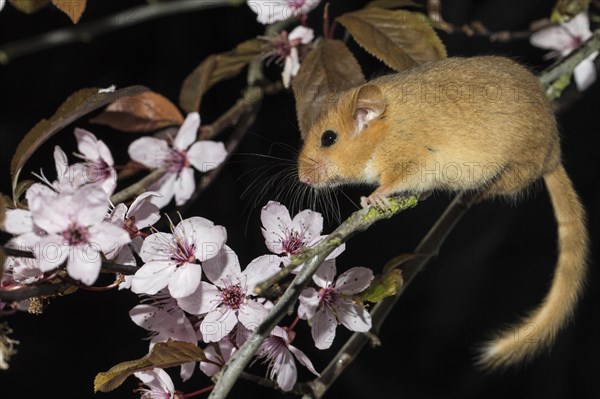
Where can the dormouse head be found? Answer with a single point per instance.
(339, 144)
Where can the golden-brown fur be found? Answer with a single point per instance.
(458, 124)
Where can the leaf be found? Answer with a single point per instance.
(327, 69)
(77, 105)
(214, 69)
(144, 112)
(393, 4)
(564, 10)
(73, 8)
(163, 355)
(29, 6)
(400, 38)
(20, 190)
(383, 286)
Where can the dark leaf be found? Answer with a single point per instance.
(400, 38)
(145, 112)
(163, 355)
(77, 105)
(327, 69)
(214, 69)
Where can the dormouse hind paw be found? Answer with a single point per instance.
(376, 199)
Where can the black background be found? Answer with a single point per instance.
(496, 264)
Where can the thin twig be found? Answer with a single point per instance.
(85, 32)
(358, 221)
(33, 291)
(137, 188)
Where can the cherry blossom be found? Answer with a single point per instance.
(277, 351)
(269, 11)
(141, 214)
(333, 303)
(19, 270)
(161, 315)
(286, 237)
(70, 227)
(290, 49)
(172, 259)
(563, 40)
(178, 159)
(227, 301)
(159, 384)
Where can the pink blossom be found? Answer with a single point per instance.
(19, 270)
(333, 303)
(172, 259)
(70, 227)
(277, 351)
(141, 214)
(159, 384)
(563, 40)
(161, 315)
(178, 159)
(227, 301)
(286, 236)
(269, 11)
(290, 49)
(218, 354)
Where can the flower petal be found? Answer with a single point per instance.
(325, 274)
(84, 264)
(251, 314)
(261, 269)
(108, 237)
(187, 132)
(187, 370)
(184, 186)
(354, 317)
(165, 186)
(223, 266)
(323, 328)
(585, 73)
(303, 359)
(157, 247)
(309, 224)
(276, 222)
(207, 155)
(552, 38)
(185, 280)
(143, 210)
(207, 238)
(306, 35)
(354, 280)
(309, 302)
(151, 318)
(201, 301)
(285, 368)
(17, 221)
(149, 151)
(152, 277)
(51, 252)
(217, 324)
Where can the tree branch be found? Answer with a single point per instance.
(358, 221)
(429, 248)
(137, 188)
(85, 32)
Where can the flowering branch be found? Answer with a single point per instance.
(428, 248)
(358, 221)
(84, 33)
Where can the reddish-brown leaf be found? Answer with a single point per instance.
(163, 355)
(214, 69)
(77, 105)
(29, 6)
(327, 69)
(400, 38)
(144, 112)
(73, 8)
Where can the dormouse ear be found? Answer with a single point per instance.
(368, 105)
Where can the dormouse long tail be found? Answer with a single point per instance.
(538, 330)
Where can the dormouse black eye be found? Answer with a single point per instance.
(328, 138)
